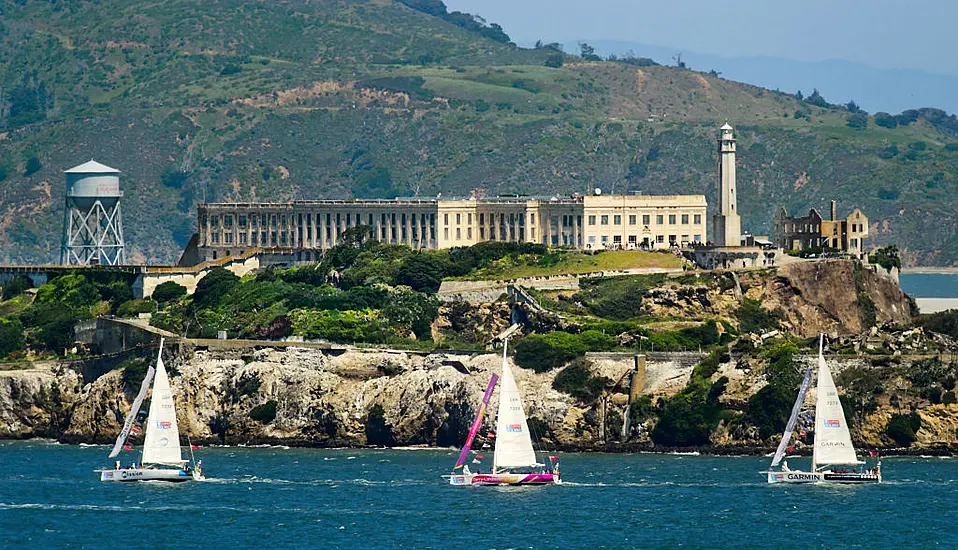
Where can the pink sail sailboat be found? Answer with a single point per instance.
(514, 460)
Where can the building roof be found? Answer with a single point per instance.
(92, 167)
(726, 126)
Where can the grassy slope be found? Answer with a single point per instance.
(139, 86)
(570, 263)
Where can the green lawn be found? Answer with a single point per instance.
(574, 263)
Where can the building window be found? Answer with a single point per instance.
(632, 219)
(284, 219)
(591, 220)
(215, 221)
(632, 239)
(458, 234)
(604, 220)
(532, 218)
(272, 236)
(697, 218)
(445, 219)
(482, 233)
(659, 219)
(659, 239)
(445, 232)
(262, 238)
(242, 238)
(458, 219)
(605, 239)
(671, 219)
(646, 220)
(617, 220)
(697, 238)
(685, 219)
(617, 239)
(470, 218)
(672, 239)
(469, 233)
(215, 237)
(242, 221)
(282, 237)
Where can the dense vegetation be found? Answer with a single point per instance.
(270, 101)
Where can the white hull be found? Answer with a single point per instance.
(150, 474)
(794, 476)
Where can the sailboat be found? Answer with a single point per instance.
(834, 459)
(514, 460)
(162, 459)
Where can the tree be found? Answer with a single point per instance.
(853, 107)
(170, 290)
(16, 286)
(211, 288)
(33, 166)
(816, 99)
(554, 60)
(886, 120)
(11, 336)
(423, 271)
(887, 257)
(588, 52)
(857, 121)
(409, 310)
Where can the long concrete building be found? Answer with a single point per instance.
(308, 227)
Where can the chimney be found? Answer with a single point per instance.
(834, 210)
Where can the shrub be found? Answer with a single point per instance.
(134, 371)
(578, 381)
(857, 121)
(886, 120)
(264, 413)
(887, 257)
(33, 166)
(949, 398)
(554, 60)
(249, 384)
(170, 290)
(132, 308)
(543, 352)
(903, 428)
(16, 286)
(752, 317)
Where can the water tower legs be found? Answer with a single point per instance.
(92, 236)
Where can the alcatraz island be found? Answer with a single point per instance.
(646, 322)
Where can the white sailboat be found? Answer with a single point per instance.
(514, 461)
(162, 459)
(834, 459)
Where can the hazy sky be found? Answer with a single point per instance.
(916, 34)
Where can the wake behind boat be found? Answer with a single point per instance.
(162, 459)
(514, 460)
(834, 459)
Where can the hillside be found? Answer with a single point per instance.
(230, 100)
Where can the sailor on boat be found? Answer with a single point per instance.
(833, 454)
(162, 458)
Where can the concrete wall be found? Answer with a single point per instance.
(147, 282)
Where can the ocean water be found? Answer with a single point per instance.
(930, 285)
(309, 498)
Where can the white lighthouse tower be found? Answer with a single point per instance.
(726, 223)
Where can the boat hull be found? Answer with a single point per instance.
(505, 479)
(851, 478)
(149, 474)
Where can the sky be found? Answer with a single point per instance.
(900, 34)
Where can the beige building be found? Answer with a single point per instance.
(586, 222)
(812, 231)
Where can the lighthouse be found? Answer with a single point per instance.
(726, 223)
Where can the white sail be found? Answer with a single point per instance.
(134, 410)
(790, 426)
(833, 441)
(513, 442)
(162, 445)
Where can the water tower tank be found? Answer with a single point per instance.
(92, 228)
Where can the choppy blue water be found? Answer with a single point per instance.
(306, 498)
(930, 285)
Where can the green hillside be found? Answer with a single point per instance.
(238, 100)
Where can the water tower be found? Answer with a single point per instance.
(92, 230)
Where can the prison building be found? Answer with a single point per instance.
(308, 227)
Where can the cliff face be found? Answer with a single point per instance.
(833, 296)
